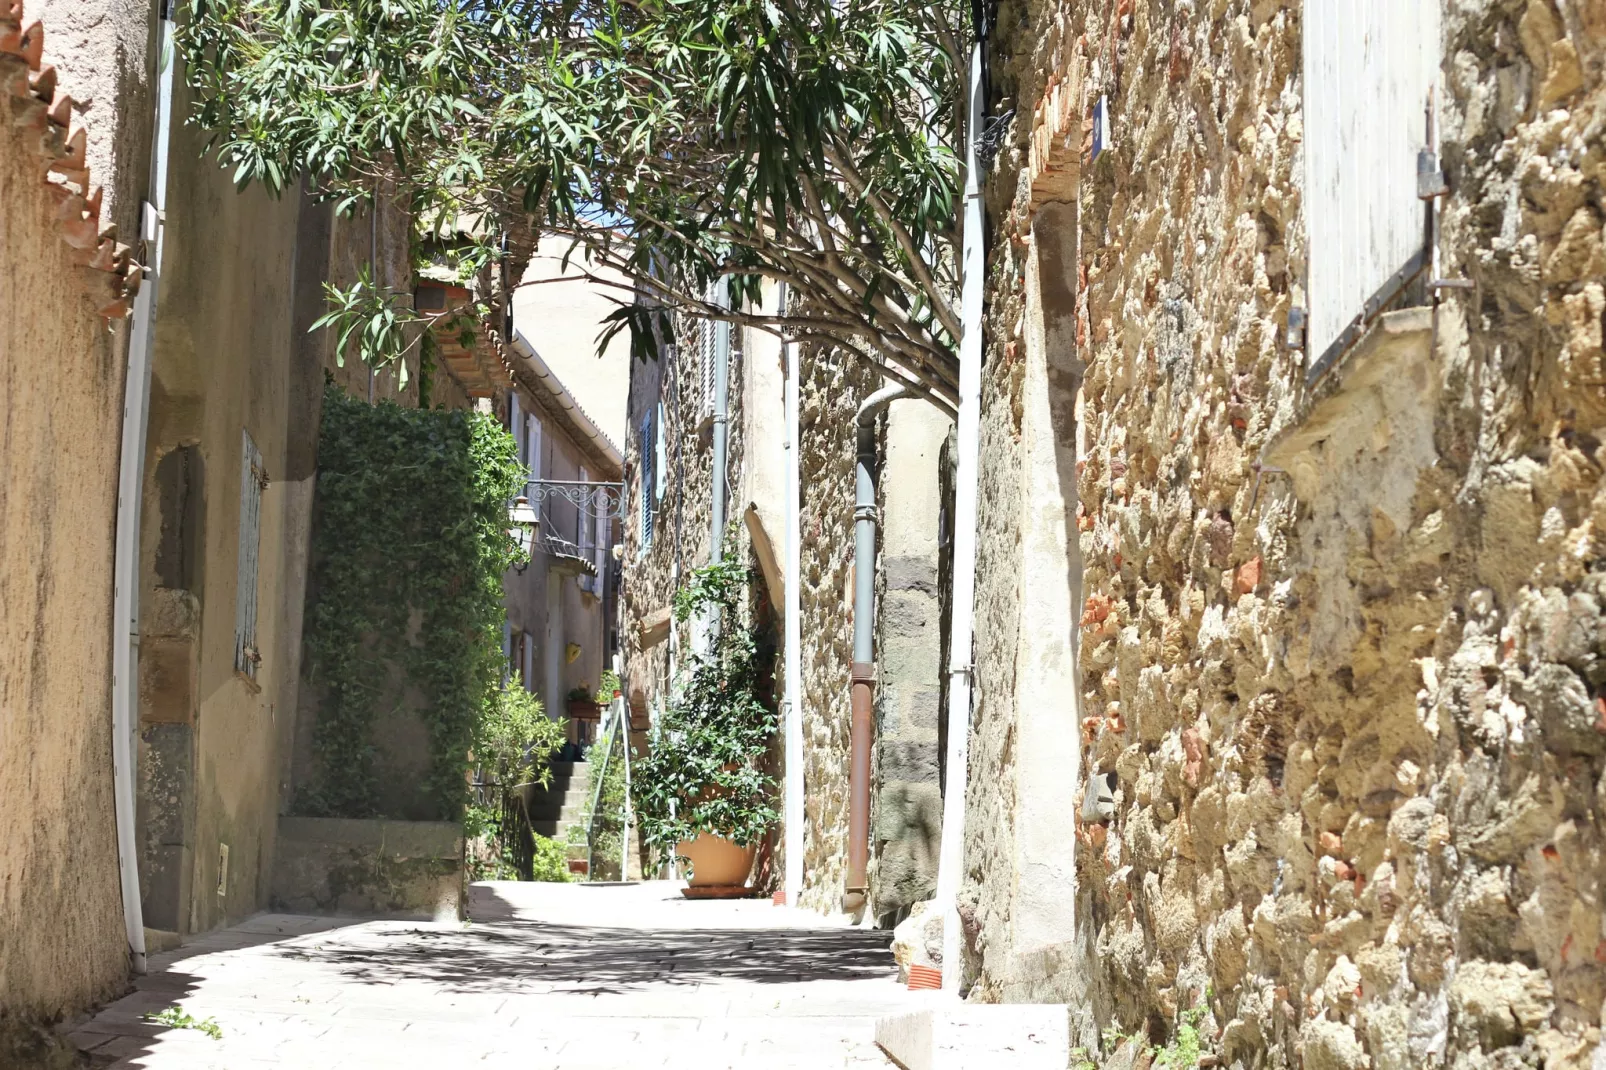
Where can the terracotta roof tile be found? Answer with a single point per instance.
(42, 115)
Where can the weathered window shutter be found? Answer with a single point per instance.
(252, 479)
(515, 425)
(648, 446)
(659, 469)
(1370, 67)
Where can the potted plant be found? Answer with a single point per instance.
(700, 792)
(581, 706)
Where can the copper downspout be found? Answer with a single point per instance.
(856, 893)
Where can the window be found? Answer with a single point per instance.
(527, 660)
(252, 479)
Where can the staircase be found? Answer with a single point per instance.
(563, 802)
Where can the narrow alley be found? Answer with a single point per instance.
(584, 977)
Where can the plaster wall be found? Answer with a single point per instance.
(104, 47)
(1346, 718)
(61, 919)
(581, 619)
(223, 367)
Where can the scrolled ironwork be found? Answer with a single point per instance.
(598, 501)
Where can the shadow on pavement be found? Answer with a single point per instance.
(502, 952)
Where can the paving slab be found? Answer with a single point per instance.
(542, 977)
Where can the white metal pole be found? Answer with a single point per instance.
(130, 493)
(622, 718)
(951, 862)
(794, 829)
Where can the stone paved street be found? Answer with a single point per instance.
(572, 976)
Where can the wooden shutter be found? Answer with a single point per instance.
(252, 480)
(532, 447)
(1369, 68)
(649, 449)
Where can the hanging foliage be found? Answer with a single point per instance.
(409, 548)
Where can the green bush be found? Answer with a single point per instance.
(550, 860)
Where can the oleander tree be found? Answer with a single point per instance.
(681, 142)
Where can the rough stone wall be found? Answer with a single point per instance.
(832, 384)
(1349, 721)
(61, 919)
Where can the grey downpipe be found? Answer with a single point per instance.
(863, 673)
(130, 500)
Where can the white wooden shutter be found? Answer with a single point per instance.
(532, 447)
(528, 652)
(515, 425)
(252, 480)
(659, 469)
(1369, 67)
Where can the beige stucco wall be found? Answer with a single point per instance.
(222, 366)
(1347, 716)
(561, 312)
(61, 920)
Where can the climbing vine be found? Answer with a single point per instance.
(409, 547)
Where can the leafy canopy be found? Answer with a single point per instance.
(680, 141)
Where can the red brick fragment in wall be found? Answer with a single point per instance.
(1248, 577)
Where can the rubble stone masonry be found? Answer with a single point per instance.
(1347, 721)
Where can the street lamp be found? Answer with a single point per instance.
(524, 521)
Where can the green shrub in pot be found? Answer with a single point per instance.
(703, 772)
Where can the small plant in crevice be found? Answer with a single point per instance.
(409, 548)
(176, 1017)
(704, 770)
(1186, 1046)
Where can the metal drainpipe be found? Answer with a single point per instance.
(795, 828)
(722, 353)
(130, 500)
(952, 858)
(864, 674)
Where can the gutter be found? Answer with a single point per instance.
(130, 495)
(564, 401)
(865, 520)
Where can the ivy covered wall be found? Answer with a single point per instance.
(404, 607)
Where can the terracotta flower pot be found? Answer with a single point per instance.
(717, 861)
